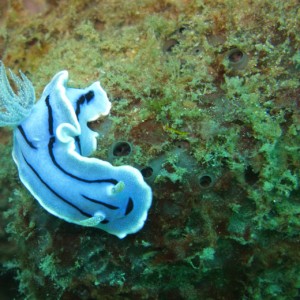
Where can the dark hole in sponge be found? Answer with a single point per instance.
(205, 181)
(121, 149)
(147, 172)
(235, 55)
(251, 177)
(238, 59)
(169, 45)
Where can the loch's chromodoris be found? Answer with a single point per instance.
(51, 145)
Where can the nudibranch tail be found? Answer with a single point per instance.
(50, 150)
(15, 107)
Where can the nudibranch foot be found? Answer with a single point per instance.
(51, 147)
(15, 107)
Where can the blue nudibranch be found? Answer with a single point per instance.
(51, 145)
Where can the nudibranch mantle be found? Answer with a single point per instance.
(50, 149)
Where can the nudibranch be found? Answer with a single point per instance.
(52, 143)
